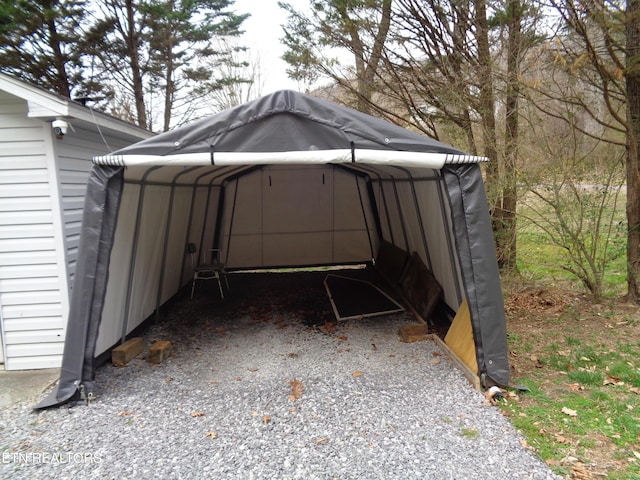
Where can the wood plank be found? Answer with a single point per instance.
(471, 375)
(460, 337)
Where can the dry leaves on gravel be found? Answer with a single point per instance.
(296, 390)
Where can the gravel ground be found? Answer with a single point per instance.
(264, 393)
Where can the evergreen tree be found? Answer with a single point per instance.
(184, 45)
(39, 42)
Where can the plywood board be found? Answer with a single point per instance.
(460, 337)
(420, 287)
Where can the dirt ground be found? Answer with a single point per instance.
(544, 316)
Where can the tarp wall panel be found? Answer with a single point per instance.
(444, 262)
(245, 248)
(207, 225)
(176, 248)
(391, 216)
(410, 215)
(288, 249)
(296, 200)
(148, 261)
(317, 212)
(115, 300)
(196, 216)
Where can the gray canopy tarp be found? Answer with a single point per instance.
(347, 182)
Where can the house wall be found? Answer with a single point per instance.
(73, 162)
(42, 189)
(33, 285)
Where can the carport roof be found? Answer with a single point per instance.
(289, 127)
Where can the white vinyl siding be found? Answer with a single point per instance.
(73, 160)
(33, 308)
(42, 188)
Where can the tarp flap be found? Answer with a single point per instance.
(87, 297)
(481, 276)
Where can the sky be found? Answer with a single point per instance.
(263, 31)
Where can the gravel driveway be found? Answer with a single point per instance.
(255, 390)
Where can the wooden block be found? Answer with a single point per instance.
(159, 351)
(413, 333)
(123, 353)
(460, 337)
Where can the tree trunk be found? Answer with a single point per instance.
(509, 200)
(168, 92)
(487, 113)
(132, 47)
(632, 78)
(62, 80)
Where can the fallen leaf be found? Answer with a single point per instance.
(611, 380)
(213, 435)
(524, 443)
(580, 472)
(570, 412)
(434, 361)
(168, 379)
(576, 387)
(266, 419)
(357, 373)
(561, 439)
(125, 413)
(635, 390)
(197, 414)
(342, 337)
(322, 441)
(328, 327)
(637, 454)
(296, 390)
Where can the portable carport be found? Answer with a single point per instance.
(284, 180)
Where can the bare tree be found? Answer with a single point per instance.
(601, 52)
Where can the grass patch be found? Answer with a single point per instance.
(583, 408)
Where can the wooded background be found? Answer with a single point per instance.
(549, 91)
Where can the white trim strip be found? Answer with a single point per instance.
(372, 157)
